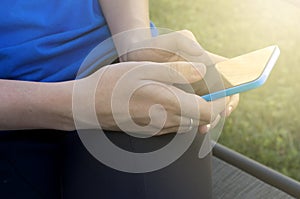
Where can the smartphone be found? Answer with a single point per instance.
(239, 74)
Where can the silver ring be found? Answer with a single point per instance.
(191, 124)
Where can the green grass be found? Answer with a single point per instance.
(266, 124)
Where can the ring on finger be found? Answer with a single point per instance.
(191, 124)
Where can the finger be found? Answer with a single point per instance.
(193, 106)
(211, 110)
(215, 122)
(205, 128)
(234, 101)
(175, 42)
(179, 125)
(187, 43)
(184, 105)
(188, 124)
(162, 116)
(231, 106)
(172, 72)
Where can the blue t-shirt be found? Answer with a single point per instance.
(42, 40)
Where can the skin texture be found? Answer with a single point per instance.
(35, 105)
(154, 86)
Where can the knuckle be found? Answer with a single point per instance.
(165, 97)
(187, 33)
(173, 71)
(173, 103)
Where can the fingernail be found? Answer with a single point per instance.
(204, 129)
(229, 110)
(208, 127)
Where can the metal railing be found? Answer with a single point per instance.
(265, 174)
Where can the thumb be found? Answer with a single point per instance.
(175, 72)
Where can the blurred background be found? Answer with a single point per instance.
(266, 125)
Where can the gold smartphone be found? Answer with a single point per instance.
(238, 74)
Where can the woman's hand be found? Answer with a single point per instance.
(170, 47)
(139, 97)
(175, 46)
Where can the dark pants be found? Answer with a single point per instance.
(54, 164)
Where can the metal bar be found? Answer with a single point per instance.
(266, 174)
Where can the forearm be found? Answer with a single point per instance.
(130, 17)
(35, 105)
(125, 15)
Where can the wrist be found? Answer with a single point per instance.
(35, 105)
(55, 106)
(130, 41)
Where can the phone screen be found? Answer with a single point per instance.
(235, 71)
(245, 68)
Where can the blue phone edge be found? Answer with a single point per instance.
(247, 86)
